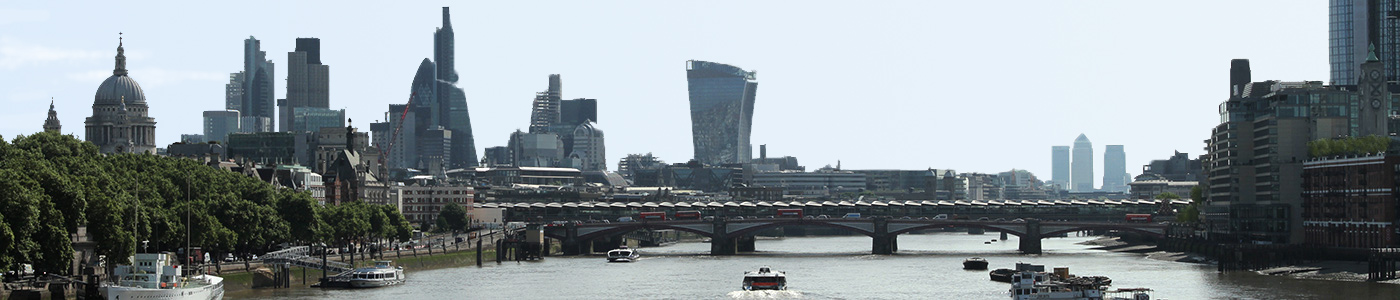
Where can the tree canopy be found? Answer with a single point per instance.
(51, 184)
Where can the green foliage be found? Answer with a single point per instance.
(453, 218)
(1196, 194)
(51, 184)
(1348, 146)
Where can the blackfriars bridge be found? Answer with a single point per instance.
(728, 237)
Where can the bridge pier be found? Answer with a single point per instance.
(745, 243)
(1030, 240)
(1003, 235)
(571, 245)
(882, 242)
(721, 243)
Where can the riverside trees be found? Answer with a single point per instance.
(51, 184)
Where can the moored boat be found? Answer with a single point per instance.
(1002, 275)
(154, 276)
(384, 273)
(765, 279)
(975, 263)
(623, 254)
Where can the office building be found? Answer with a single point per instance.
(630, 165)
(1059, 166)
(1179, 167)
(119, 122)
(1082, 167)
(1256, 155)
(308, 86)
(721, 111)
(587, 152)
(496, 156)
(313, 119)
(272, 148)
(435, 103)
(1355, 27)
(578, 111)
(192, 138)
(218, 124)
(1349, 202)
(257, 105)
(422, 202)
(536, 149)
(813, 184)
(1115, 169)
(545, 110)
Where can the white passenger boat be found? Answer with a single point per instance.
(765, 279)
(623, 254)
(382, 274)
(1025, 286)
(155, 276)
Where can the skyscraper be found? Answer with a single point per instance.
(1115, 169)
(1082, 168)
(1356, 25)
(258, 104)
(308, 87)
(452, 99)
(218, 124)
(1059, 165)
(436, 114)
(721, 111)
(545, 112)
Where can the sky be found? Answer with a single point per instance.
(975, 86)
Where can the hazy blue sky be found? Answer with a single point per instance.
(976, 86)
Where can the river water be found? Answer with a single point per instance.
(928, 266)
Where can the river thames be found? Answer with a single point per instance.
(928, 266)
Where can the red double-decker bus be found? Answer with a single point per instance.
(653, 216)
(790, 213)
(1138, 217)
(688, 215)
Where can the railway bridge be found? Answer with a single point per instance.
(728, 237)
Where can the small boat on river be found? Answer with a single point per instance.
(765, 279)
(382, 274)
(623, 254)
(975, 263)
(1002, 275)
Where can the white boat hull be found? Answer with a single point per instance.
(374, 283)
(213, 291)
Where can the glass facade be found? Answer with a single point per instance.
(721, 111)
(313, 119)
(1346, 30)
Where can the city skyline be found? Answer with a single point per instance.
(629, 57)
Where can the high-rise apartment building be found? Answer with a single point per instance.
(1115, 169)
(308, 86)
(721, 111)
(1059, 166)
(1082, 167)
(257, 105)
(1256, 155)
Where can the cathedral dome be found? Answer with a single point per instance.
(119, 86)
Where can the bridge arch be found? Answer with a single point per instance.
(1102, 227)
(634, 226)
(958, 225)
(775, 223)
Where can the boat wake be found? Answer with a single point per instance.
(766, 294)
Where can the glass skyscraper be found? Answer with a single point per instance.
(1082, 167)
(721, 111)
(1059, 166)
(1354, 26)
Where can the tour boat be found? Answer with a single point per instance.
(1025, 286)
(765, 279)
(623, 255)
(382, 274)
(975, 263)
(155, 276)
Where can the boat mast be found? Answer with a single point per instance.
(189, 254)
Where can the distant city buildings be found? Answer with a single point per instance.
(256, 104)
(1115, 169)
(306, 107)
(422, 201)
(721, 111)
(218, 124)
(1179, 167)
(631, 165)
(1082, 167)
(1059, 164)
(192, 138)
(435, 117)
(119, 122)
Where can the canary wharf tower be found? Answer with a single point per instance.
(721, 111)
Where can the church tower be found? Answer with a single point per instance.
(1375, 99)
(51, 124)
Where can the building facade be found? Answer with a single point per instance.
(258, 104)
(51, 124)
(1350, 202)
(588, 152)
(119, 122)
(1356, 27)
(308, 87)
(1255, 157)
(1115, 169)
(218, 124)
(1059, 166)
(422, 203)
(721, 111)
(1082, 167)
